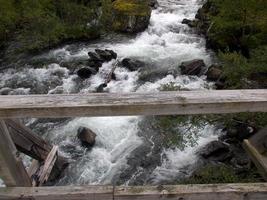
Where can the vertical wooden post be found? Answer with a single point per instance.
(12, 170)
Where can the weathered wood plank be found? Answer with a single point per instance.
(251, 191)
(58, 193)
(12, 170)
(260, 160)
(48, 165)
(194, 192)
(259, 140)
(27, 141)
(32, 144)
(162, 103)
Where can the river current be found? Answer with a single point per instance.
(127, 149)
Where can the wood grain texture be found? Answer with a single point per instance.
(58, 193)
(12, 170)
(194, 192)
(251, 191)
(48, 165)
(260, 160)
(162, 103)
(31, 143)
(259, 140)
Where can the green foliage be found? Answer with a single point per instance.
(132, 7)
(181, 131)
(239, 24)
(212, 174)
(8, 18)
(37, 24)
(239, 69)
(170, 87)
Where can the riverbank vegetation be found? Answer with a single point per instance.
(37, 24)
(238, 30)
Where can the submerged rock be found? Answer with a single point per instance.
(190, 23)
(151, 75)
(97, 58)
(5, 91)
(193, 67)
(154, 4)
(130, 15)
(131, 64)
(106, 55)
(86, 136)
(86, 72)
(215, 151)
(93, 56)
(101, 87)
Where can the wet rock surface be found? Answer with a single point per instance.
(131, 16)
(192, 67)
(132, 64)
(86, 136)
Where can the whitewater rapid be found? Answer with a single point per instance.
(164, 45)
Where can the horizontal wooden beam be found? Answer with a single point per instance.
(249, 191)
(58, 193)
(126, 104)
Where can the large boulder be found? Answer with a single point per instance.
(130, 16)
(193, 67)
(86, 136)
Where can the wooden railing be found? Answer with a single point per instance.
(106, 104)
(163, 103)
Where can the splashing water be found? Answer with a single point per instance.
(164, 45)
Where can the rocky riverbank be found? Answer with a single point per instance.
(138, 150)
(235, 52)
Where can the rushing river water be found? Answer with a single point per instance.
(127, 150)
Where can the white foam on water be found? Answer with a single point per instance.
(176, 161)
(167, 43)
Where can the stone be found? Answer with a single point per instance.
(214, 73)
(95, 57)
(106, 55)
(86, 136)
(131, 64)
(215, 151)
(192, 67)
(86, 72)
(154, 4)
(130, 16)
(5, 91)
(190, 23)
(101, 88)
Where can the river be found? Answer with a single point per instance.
(127, 150)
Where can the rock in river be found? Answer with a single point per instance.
(130, 15)
(193, 67)
(215, 151)
(86, 136)
(131, 64)
(86, 72)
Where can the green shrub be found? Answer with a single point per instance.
(239, 69)
(37, 24)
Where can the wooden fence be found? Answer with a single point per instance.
(16, 137)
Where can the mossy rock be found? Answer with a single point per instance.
(130, 15)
